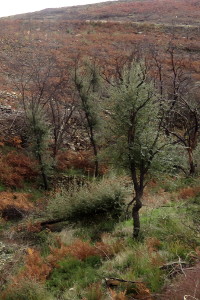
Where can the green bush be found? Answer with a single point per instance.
(90, 203)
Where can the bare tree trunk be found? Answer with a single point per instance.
(191, 161)
(39, 155)
(43, 173)
(93, 144)
(96, 162)
(135, 214)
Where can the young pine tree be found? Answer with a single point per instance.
(39, 138)
(134, 121)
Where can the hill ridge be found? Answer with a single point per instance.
(150, 11)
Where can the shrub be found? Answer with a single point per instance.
(98, 200)
(15, 168)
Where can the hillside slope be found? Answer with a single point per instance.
(157, 11)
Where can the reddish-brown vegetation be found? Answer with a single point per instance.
(153, 244)
(181, 11)
(18, 200)
(110, 40)
(79, 249)
(38, 268)
(15, 205)
(115, 33)
(189, 192)
(118, 296)
(15, 168)
(35, 267)
(80, 160)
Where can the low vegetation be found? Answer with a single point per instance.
(76, 264)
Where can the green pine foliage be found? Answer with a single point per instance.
(135, 118)
(39, 139)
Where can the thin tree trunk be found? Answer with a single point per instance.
(136, 217)
(191, 162)
(39, 156)
(44, 176)
(96, 172)
(55, 145)
(94, 145)
(92, 141)
(45, 181)
(96, 162)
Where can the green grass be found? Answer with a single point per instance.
(167, 234)
(171, 227)
(72, 271)
(169, 224)
(135, 264)
(28, 290)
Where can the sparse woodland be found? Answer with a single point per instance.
(99, 153)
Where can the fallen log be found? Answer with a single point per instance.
(111, 281)
(51, 222)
